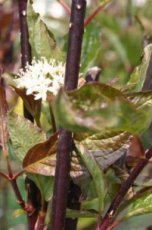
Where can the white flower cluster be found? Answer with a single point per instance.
(40, 77)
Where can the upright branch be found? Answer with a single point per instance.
(33, 192)
(25, 47)
(65, 137)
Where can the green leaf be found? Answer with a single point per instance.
(45, 185)
(98, 107)
(41, 39)
(142, 101)
(141, 222)
(140, 206)
(90, 47)
(138, 77)
(23, 135)
(18, 213)
(77, 214)
(96, 174)
(92, 204)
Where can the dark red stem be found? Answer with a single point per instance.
(4, 175)
(106, 221)
(20, 201)
(65, 137)
(33, 193)
(25, 47)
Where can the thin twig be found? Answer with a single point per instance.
(19, 174)
(4, 175)
(20, 201)
(65, 137)
(96, 12)
(106, 221)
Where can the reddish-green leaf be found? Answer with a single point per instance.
(41, 158)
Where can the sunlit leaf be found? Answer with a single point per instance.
(98, 107)
(41, 39)
(19, 212)
(23, 135)
(90, 48)
(140, 206)
(91, 204)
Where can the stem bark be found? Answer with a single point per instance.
(33, 192)
(65, 137)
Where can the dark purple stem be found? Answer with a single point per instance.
(25, 47)
(65, 137)
(33, 192)
(106, 221)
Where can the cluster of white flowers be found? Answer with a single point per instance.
(40, 77)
